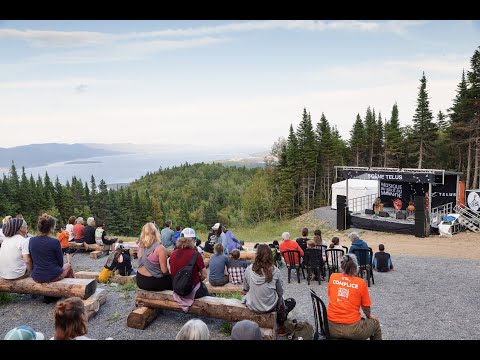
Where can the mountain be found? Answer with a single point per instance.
(251, 161)
(43, 154)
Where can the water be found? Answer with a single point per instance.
(126, 168)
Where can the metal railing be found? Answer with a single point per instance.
(469, 218)
(359, 204)
(440, 212)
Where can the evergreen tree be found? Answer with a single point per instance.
(357, 141)
(473, 107)
(370, 133)
(394, 147)
(424, 128)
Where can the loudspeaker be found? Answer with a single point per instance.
(420, 228)
(341, 201)
(419, 203)
(401, 216)
(369, 212)
(383, 214)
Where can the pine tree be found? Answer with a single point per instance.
(473, 107)
(14, 189)
(357, 141)
(292, 169)
(394, 152)
(380, 142)
(370, 132)
(424, 128)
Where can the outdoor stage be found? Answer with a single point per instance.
(385, 224)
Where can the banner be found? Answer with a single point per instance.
(391, 189)
(473, 200)
(418, 178)
(445, 193)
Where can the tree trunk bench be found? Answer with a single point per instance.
(93, 303)
(119, 279)
(228, 288)
(83, 288)
(244, 255)
(220, 308)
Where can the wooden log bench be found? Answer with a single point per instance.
(216, 307)
(228, 288)
(93, 303)
(244, 255)
(83, 288)
(117, 278)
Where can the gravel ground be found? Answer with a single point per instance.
(424, 298)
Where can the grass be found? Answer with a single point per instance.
(5, 298)
(126, 289)
(115, 316)
(226, 328)
(230, 296)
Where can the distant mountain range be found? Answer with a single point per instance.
(43, 154)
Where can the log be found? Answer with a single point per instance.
(93, 303)
(244, 255)
(220, 308)
(142, 317)
(87, 275)
(122, 280)
(228, 288)
(83, 288)
(98, 254)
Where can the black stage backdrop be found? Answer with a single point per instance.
(441, 193)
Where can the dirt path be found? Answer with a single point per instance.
(464, 245)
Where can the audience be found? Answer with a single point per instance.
(167, 236)
(288, 244)
(194, 329)
(308, 259)
(358, 243)
(15, 257)
(89, 231)
(63, 237)
(236, 268)
(176, 234)
(218, 265)
(101, 237)
(152, 272)
(69, 228)
(382, 261)
(211, 238)
(246, 330)
(302, 241)
(346, 294)
(78, 230)
(230, 241)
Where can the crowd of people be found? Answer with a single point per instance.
(163, 256)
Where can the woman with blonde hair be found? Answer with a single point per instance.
(152, 273)
(194, 329)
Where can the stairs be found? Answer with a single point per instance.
(468, 218)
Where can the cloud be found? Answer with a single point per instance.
(72, 39)
(81, 88)
(45, 84)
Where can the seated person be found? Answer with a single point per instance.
(308, 258)
(246, 330)
(119, 260)
(382, 261)
(288, 244)
(236, 268)
(101, 237)
(218, 264)
(14, 253)
(302, 241)
(24, 332)
(89, 231)
(177, 234)
(194, 329)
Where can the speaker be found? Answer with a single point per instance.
(419, 228)
(383, 214)
(419, 203)
(369, 212)
(401, 216)
(341, 201)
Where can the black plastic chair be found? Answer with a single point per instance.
(334, 256)
(313, 260)
(322, 331)
(345, 248)
(293, 260)
(364, 263)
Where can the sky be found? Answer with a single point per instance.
(218, 83)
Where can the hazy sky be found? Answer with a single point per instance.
(218, 82)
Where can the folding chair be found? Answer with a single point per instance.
(334, 256)
(293, 261)
(313, 260)
(364, 258)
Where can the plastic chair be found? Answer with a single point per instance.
(313, 260)
(346, 249)
(334, 257)
(364, 258)
(322, 331)
(292, 260)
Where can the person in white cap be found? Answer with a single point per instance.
(24, 332)
(212, 238)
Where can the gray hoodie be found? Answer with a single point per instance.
(261, 296)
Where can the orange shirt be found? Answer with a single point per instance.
(346, 294)
(291, 245)
(63, 238)
(78, 231)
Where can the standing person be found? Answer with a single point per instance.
(346, 294)
(302, 241)
(358, 243)
(180, 257)
(218, 265)
(15, 260)
(167, 236)
(46, 253)
(211, 238)
(69, 227)
(152, 272)
(263, 287)
(288, 244)
(78, 230)
(63, 236)
(101, 237)
(382, 261)
(231, 242)
(89, 231)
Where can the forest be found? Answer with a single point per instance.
(297, 181)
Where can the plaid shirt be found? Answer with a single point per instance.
(236, 275)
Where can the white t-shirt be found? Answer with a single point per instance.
(12, 265)
(2, 237)
(69, 228)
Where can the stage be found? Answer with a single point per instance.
(385, 224)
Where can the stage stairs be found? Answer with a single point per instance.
(468, 218)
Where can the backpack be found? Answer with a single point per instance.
(183, 280)
(298, 330)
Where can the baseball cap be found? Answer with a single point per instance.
(216, 226)
(188, 233)
(246, 330)
(24, 332)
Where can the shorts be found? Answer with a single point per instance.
(65, 250)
